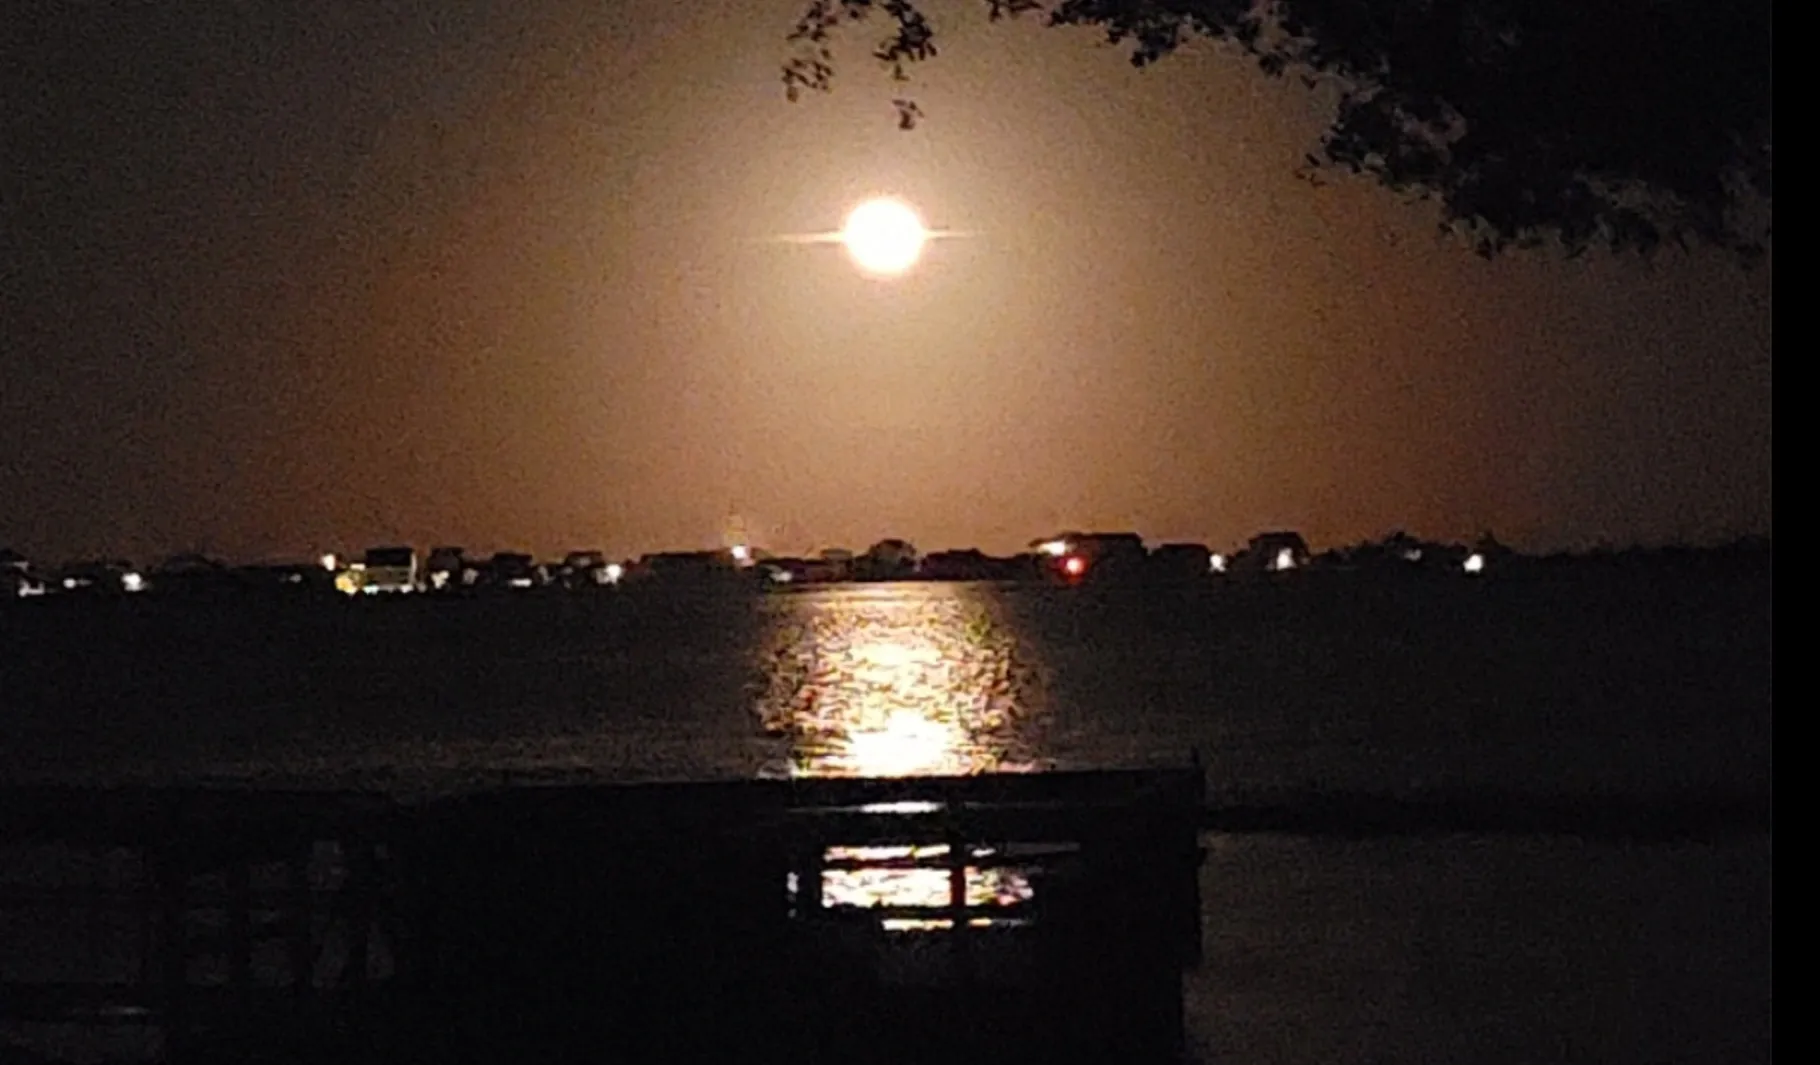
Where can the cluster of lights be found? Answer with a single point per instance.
(1073, 565)
(351, 580)
(131, 581)
(1282, 562)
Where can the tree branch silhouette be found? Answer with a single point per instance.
(1621, 124)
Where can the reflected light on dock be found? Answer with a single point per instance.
(908, 806)
(927, 888)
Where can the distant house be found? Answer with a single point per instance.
(19, 584)
(687, 566)
(965, 565)
(888, 560)
(1273, 552)
(584, 569)
(1100, 546)
(446, 569)
(1401, 555)
(390, 571)
(16, 579)
(1181, 563)
(1487, 553)
(511, 571)
(972, 564)
(1054, 546)
(1096, 556)
(785, 570)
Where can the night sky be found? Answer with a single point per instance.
(277, 278)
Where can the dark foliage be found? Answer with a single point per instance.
(1615, 123)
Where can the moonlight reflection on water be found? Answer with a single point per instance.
(912, 680)
(906, 680)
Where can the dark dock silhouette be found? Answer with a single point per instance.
(1015, 917)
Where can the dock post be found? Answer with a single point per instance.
(961, 931)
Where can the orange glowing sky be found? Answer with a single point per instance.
(491, 274)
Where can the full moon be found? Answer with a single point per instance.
(884, 237)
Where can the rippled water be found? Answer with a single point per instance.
(914, 680)
(1545, 689)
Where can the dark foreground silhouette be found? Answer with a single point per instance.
(654, 923)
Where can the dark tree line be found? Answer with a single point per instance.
(1598, 123)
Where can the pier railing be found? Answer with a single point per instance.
(984, 917)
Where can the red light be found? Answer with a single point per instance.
(1075, 566)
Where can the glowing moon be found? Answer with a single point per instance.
(884, 236)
